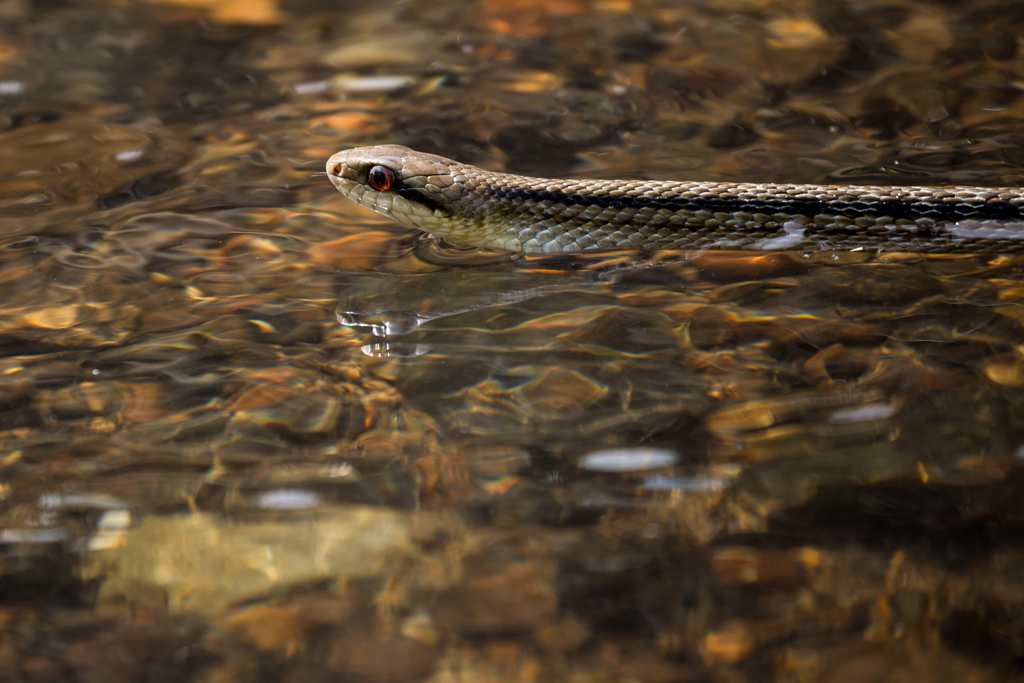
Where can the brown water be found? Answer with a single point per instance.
(251, 432)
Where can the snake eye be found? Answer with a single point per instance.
(381, 178)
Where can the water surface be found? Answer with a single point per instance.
(253, 432)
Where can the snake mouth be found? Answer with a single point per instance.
(341, 176)
(345, 176)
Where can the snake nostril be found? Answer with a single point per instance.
(336, 169)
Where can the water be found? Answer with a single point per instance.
(251, 431)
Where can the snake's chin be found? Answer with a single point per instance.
(378, 202)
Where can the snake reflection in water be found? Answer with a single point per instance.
(480, 208)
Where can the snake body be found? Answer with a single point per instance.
(480, 208)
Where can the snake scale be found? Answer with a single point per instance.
(480, 208)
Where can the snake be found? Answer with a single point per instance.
(475, 207)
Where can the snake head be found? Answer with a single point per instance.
(397, 182)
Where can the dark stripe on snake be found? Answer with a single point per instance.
(415, 195)
(939, 211)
